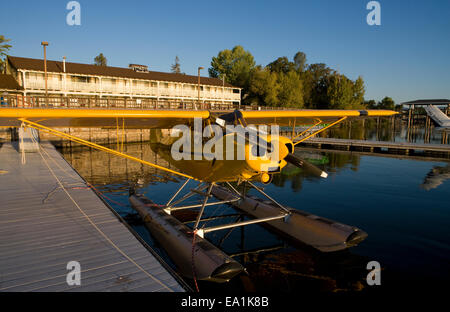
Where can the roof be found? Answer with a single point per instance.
(8, 82)
(89, 69)
(428, 102)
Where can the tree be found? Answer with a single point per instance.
(237, 64)
(176, 67)
(315, 82)
(300, 61)
(100, 60)
(268, 88)
(386, 103)
(281, 65)
(358, 93)
(264, 88)
(343, 93)
(4, 48)
(370, 104)
(291, 90)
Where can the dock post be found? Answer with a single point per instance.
(28, 140)
(409, 117)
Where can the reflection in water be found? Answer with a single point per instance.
(369, 192)
(383, 129)
(329, 162)
(271, 262)
(436, 177)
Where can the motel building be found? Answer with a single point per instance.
(86, 85)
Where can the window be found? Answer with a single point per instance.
(80, 79)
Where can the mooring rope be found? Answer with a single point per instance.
(194, 271)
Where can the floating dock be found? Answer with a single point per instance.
(49, 218)
(382, 147)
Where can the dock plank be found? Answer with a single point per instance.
(41, 230)
(428, 149)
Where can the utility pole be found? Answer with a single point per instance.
(200, 68)
(45, 44)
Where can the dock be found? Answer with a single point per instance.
(380, 147)
(51, 217)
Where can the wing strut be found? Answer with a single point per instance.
(320, 130)
(99, 147)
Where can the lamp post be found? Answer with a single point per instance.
(200, 68)
(223, 88)
(45, 44)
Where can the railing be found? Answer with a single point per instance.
(106, 88)
(122, 103)
(105, 103)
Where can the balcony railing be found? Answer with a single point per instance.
(69, 86)
(106, 103)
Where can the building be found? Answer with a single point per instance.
(66, 80)
(8, 85)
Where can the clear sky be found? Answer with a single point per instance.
(406, 57)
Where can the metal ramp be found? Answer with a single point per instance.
(439, 118)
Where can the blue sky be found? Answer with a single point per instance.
(406, 57)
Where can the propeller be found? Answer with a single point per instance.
(301, 163)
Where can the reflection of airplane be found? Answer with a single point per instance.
(436, 177)
(194, 255)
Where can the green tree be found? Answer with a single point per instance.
(100, 60)
(4, 48)
(291, 90)
(264, 88)
(386, 103)
(176, 67)
(371, 104)
(343, 93)
(358, 93)
(237, 64)
(315, 85)
(300, 61)
(281, 65)
(398, 107)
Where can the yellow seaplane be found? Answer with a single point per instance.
(219, 151)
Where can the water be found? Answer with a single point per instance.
(385, 129)
(403, 205)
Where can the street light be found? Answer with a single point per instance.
(45, 44)
(223, 88)
(200, 68)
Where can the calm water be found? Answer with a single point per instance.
(402, 204)
(385, 129)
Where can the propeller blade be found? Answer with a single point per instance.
(301, 163)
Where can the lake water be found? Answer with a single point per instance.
(403, 205)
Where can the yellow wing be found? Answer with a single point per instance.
(302, 117)
(166, 119)
(100, 118)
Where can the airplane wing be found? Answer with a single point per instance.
(306, 117)
(100, 118)
(166, 119)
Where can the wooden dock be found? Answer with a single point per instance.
(381, 147)
(45, 224)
